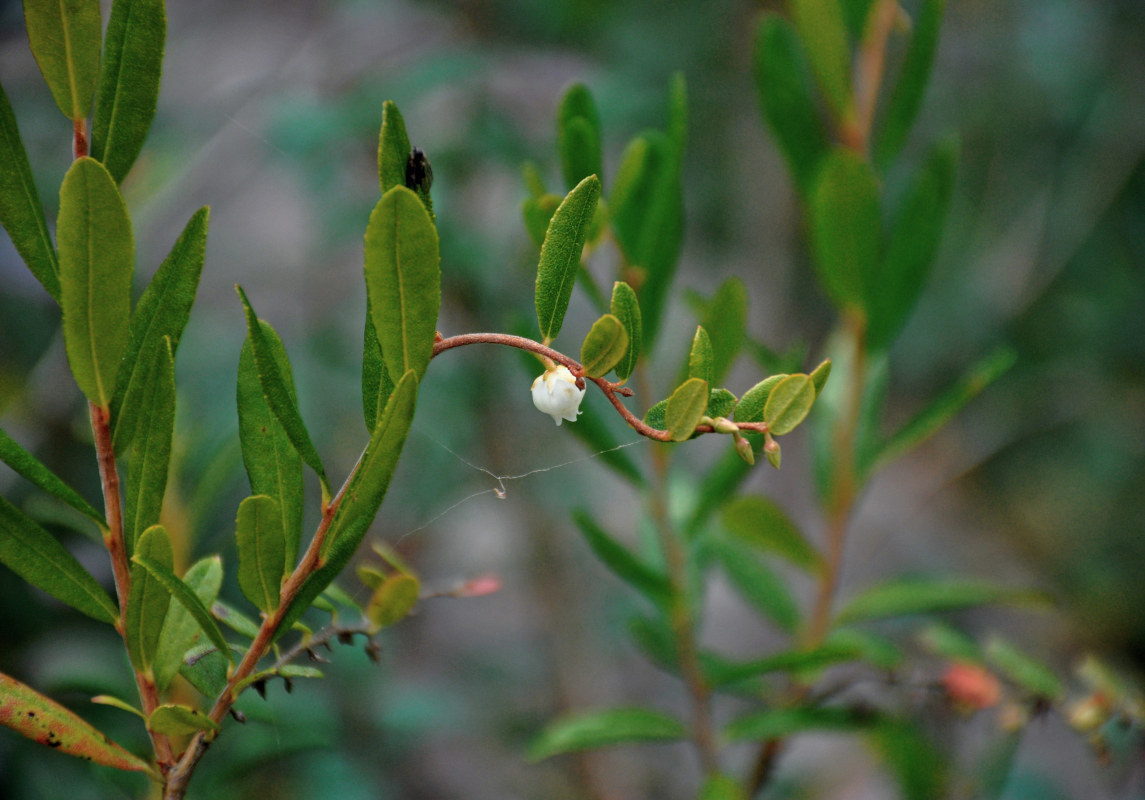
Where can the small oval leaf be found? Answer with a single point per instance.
(700, 356)
(789, 404)
(604, 347)
(754, 400)
(177, 720)
(685, 407)
(561, 253)
(393, 600)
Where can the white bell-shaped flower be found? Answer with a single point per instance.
(555, 393)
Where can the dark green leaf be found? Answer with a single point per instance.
(561, 253)
(845, 225)
(906, 97)
(754, 400)
(943, 640)
(151, 448)
(783, 80)
(719, 482)
(234, 619)
(21, 213)
(278, 396)
(926, 596)
(262, 550)
(793, 662)
(37, 557)
(180, 629)
(65, 38)
(393, 600)
(721, 787)
(205, 668)
(403, 280)
(538, 213)
(598, 431)
(821, 27)
(788, 404)
(393, 148)
(1024, 671)
(700, 357)
(913, 245)
(625, 308)
(917, 766)
(162, 575)
(286, 671)
(97, 259)
(678, 111)
(149, 598)
(759, 585)
(128, 83)
(604, 346)
(721, 403)
(162, 311)
(725, 319)
(757, 521)
(778, 723)
(579, 136)
(27, 466)
(626, 566)
(176, 720)
(873, 649)
(606, 729)
(43, 720)
(376, 382)
(655, 416)
(272, 464)
(685, 408)
(856, 14)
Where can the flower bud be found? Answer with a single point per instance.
(555, 393)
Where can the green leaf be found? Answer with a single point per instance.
(719, 482)
(700, 357)
(393, 148)
(844, 222)
(820, 374)
(626, 566)
(65, 38)
(724, 317)
(273, 466)
(21, 213)
(1024, 671)
(606, 729)
(286, 672)
(27, 466)
(949, 403)
(918, 767)
(598, 432)
(206, 668)
(262, 551)
(685, 407)
(97, 259)
(560, 255)
(176, 720)
(579, 136)
(162, 311)
(151, 448)
(759, 585)
(604, 347)
(721, 403)
(162, 575)
(913, 244)
(403, 280)
(793, 662)
(128, 83)
(754, 400)
(37, 557)
(757, 521)
(393, 600)
(647, 207)
(788, 404)
(234, 619)
(278, 396)
(906, 596)
(181, 630)
(625, 308)
(906, 97)
(537, 213)
(115, 702)
(678, 111)
(786, 95)
(778, 723)
(376, 382)
(42, 720)
(721, 787)
(873, 649)
(149, 599)
(822, 29)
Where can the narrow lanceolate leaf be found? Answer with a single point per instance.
(822, 28)
(151, 449)
(37, 557)
(622, 562)
(913, 245)
(923, 596)
(403, 280)
(149, 599)
(29, 467)
(625, 308)
(606, 729)
(393, 600)
(128, 82)
(65, 37)
(759, 585)
(604, 347)
(40, 719)
(789, 403)
(1031, 675)
(678, 111)
(376, 381)
(560, 255)
(162, 311)
(393, 148)
(180, 629)
(600, 434)
(272, 464)
(845, 228)
(21, 213)
(685, 407)
(579, 136)
(262, 550)
(906, 97)
(786, 95)
(760, 523)
(700, 356)
(176, 720)
(97, 259)
(724, 317)
(186, 597)
(278, 396)
(781, 722)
